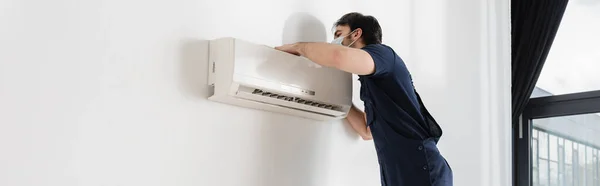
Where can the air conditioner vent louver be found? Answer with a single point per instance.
(295, 99)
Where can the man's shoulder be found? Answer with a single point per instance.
(380, 49)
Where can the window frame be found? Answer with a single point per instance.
(545, 107)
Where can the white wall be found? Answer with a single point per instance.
(112, 92)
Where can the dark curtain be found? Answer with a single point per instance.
(534, 25)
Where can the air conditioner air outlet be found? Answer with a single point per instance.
(280, 96)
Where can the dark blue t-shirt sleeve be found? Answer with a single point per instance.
(383, 57)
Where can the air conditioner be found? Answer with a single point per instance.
(257, 76)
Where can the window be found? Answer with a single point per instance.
(557, 140)
(561, 141)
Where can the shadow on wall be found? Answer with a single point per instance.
(194, 68)
(303, 27)
(294, 151)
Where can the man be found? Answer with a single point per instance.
(404, 133)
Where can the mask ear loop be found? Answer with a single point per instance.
(350, 35)
(352, 43)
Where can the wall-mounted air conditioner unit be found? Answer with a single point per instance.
(259, 77)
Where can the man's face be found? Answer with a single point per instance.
(341, 31)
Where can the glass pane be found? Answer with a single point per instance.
(576, 171)
(597, 169)
(553, 174)
(568, 175)
(589, 166)
(594, 168)
(553, 148)
(582, 160)
(568, 152)
(565, 151)
(588, 155)
(561, 163)
(572, 63)
(543, 145)
(534, 176)
(543, 172)
(534, 153)
(561, 142)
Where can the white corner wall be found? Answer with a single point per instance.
(111, 92)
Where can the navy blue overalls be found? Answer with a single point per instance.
(404, 133)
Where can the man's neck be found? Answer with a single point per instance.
(359, 45)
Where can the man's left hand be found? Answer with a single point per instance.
(289, 48)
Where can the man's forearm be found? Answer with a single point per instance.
(357, 120)
(355, 61)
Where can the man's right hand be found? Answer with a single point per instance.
(368, 135)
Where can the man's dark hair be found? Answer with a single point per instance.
(371, 31)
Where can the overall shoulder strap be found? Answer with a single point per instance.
(434, 128)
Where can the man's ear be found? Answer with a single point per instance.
(357, 34)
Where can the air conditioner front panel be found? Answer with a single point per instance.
(262, 63)
(260, 77)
